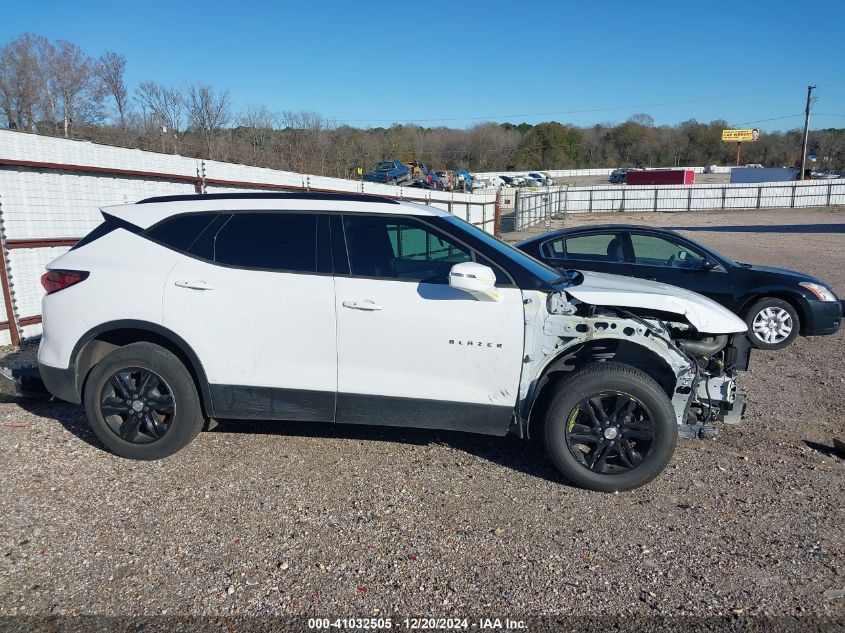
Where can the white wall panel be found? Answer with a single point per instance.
(27, 266)
(44, 203)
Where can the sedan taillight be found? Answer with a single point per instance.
(55, 280)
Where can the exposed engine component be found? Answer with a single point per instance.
(699, 370)
(706, 347)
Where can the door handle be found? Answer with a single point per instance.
(193, 284)
(362, 304)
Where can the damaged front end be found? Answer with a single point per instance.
(698, 370)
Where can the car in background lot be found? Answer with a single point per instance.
(493, 341)
(422, 184)
(418, 169)
(435, 181)
(524, 182)
(390, 172)
(825, 175)
(463, 179)
(542, 177)
(620, 176)
(447, 177)
(777, 304)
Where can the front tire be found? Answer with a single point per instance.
(142, 403)
(610, 428)
(772, 324)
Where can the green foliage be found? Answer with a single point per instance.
(549, 146)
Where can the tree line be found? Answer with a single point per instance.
(56, 88)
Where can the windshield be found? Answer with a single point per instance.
(546, 274)
(384, 166)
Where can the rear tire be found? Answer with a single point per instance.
(772, 324)
(142, 402)
(610, 428)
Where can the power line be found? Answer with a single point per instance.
(774, 118)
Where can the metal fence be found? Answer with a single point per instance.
(537, 209)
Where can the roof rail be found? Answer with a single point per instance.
(265, 195)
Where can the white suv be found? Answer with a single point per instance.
(364, 310)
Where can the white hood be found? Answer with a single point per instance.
(705, 315)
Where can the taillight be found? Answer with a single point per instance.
(55, 280)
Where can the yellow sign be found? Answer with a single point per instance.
(360, 170)
(740, 136)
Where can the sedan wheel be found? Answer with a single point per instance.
(772, 324)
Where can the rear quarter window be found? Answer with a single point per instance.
(109, 224)
(180, 231)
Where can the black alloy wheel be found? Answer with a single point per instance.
(610, 432)
(609, 427)
(137, 405)
(141, 401)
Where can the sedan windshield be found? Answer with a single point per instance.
(384, 166)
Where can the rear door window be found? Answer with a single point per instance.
(598, 247)
(268, 241)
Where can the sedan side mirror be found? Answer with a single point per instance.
(476, 279)
(709, 264)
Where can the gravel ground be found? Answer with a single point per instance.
(290, 519)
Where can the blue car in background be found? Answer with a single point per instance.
(541, 178)
(463, 176)
(392, 172)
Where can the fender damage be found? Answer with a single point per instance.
(695, 352)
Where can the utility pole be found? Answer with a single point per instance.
(806, 131)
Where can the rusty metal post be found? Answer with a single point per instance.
(5, 281)
(497, 216)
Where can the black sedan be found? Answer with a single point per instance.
(777, 304)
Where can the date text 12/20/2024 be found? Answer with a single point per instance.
(416, 624)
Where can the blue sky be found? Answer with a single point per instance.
(441, 63)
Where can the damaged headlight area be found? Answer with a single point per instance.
(698, 371)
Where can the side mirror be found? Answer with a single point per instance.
(708, 265)
(476, 279)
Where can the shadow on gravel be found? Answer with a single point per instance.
(70, 416)
(758, 228)
(510, 452)
(827, 451)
